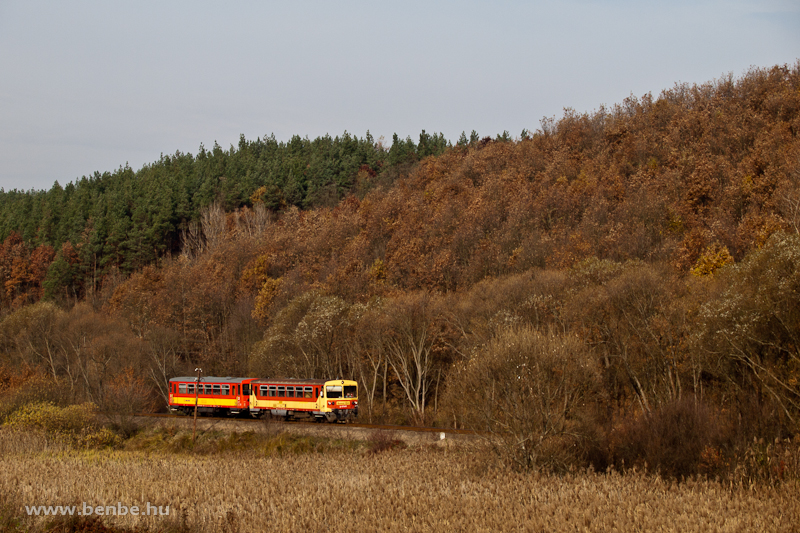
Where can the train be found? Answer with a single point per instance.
(334, 400)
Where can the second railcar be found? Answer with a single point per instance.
(323, 400)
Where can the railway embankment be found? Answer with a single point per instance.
(408, 435)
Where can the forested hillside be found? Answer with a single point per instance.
(585, 292)
(126, 219)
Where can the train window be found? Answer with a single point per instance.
(208, 390)
(290, 392)
(246, 389)
(217, 390)
(264, 390)
(281, 392)
(190, 388)
(308, 391)
(226, 390)
(272, 390)
(350, 391)
(334, 391)
(182, 388)
(316, 391)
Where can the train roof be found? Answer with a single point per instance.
(296, 381)
(291, 381)
(209, 379)
(287, 381)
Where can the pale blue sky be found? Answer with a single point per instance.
(90, 85)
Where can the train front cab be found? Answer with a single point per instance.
(339, 401)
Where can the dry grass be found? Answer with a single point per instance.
(412, 489)
(18, 442)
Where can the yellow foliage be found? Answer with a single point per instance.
(256, 197)
(770, 225)
(266, 294)
(712, 259)
(675, 224)
(378, 270)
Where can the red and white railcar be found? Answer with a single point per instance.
(214, 395)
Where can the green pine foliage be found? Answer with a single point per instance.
(127, 218)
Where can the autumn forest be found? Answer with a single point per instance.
(619, 287)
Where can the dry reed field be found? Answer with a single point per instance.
(422, 488)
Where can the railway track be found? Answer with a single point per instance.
(385, 427)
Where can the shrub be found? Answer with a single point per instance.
(381, 441)
(125, 396)
(51, 418)
(527, 393)
(24, 386)
(75, 424)
(674, 440)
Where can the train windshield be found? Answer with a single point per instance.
(350, 391)
(334, 391)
